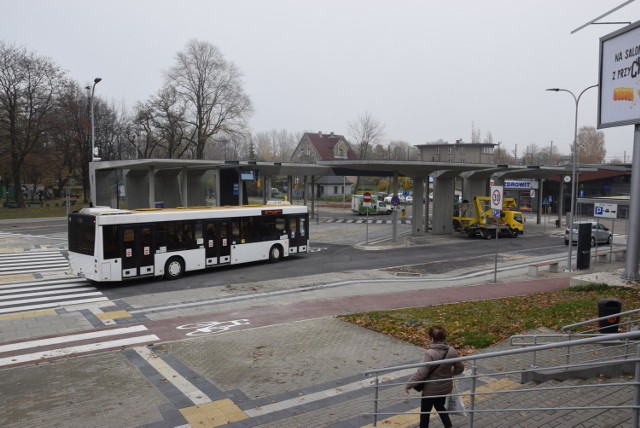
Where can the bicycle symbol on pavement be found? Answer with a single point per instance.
(211, 327)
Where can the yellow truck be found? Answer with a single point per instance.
(477, 220)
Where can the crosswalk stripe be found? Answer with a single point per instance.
(47, 294)
(62, 352)
(51, 305)
(35, 261)
(71, 338)
(22, 284)
(63, 288)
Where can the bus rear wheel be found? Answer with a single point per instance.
(174, 268)
(275, 254)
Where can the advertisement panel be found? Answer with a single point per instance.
(619, 83)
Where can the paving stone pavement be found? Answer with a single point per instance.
(293, 373)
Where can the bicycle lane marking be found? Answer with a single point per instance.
(203, 328)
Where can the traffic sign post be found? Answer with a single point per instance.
(366, 199)
(497, 193)
(496, 197)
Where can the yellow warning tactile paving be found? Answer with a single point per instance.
(28, 314)
(407, 419)
(17, 277)
(213, 414)
(113, 315)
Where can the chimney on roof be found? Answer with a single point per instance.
(320, 134)
(331, 134)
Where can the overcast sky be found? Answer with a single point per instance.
(426, 69)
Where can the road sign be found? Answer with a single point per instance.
(496, 213)
(395, 200)
(496, 197)
(405, 193)
(605, 210)
(366, 197)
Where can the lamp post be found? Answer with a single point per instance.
(93, 137)
(573, 168)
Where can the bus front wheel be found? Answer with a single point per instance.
(275, 254)
(174, 268)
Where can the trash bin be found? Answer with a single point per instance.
(609, 307)
(557, 223)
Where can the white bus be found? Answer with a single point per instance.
(107, 244)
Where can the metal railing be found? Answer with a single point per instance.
(623, 321)
(485, 391)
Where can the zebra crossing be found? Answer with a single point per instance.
(33, 261)
(13, 354)
(47, 294)
(364, 220)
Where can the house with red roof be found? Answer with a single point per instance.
(318, 146)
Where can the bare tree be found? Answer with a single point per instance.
(69, 138)
(532, 155)
(366, 132)
(591, 145)
(28, 85)
(401, 150)
(162, 127)
(212, 92)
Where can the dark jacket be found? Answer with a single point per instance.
(441, 373)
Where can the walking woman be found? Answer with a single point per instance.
(439, 376)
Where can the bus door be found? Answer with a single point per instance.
(216, 242)
(298, 234)
(137, 258)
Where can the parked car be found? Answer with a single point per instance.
(384, 208)
(274, 192)
(600, 234)
(401, 198)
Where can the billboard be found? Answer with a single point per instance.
(619, 82)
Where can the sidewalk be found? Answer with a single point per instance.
(284, 360)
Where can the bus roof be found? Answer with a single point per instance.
(115, 215)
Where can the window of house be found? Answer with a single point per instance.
(450, 150)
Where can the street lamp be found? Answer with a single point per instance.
(93, 142)
(573, 168)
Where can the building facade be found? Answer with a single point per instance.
(458, 152)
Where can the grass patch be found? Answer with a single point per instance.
(479, 324)
(38, 212)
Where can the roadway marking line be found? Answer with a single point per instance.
(183, 385)
(61, 352)
(46, 283)
(71, 338)
(44, 299)
(48, 291)
(51, 305)
(320, 395)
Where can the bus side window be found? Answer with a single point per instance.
(292, 227)
(224, 228)
(235, 232)
(210, 235)
(303, 226)
(110, 242)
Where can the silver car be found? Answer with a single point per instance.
(599, 233)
